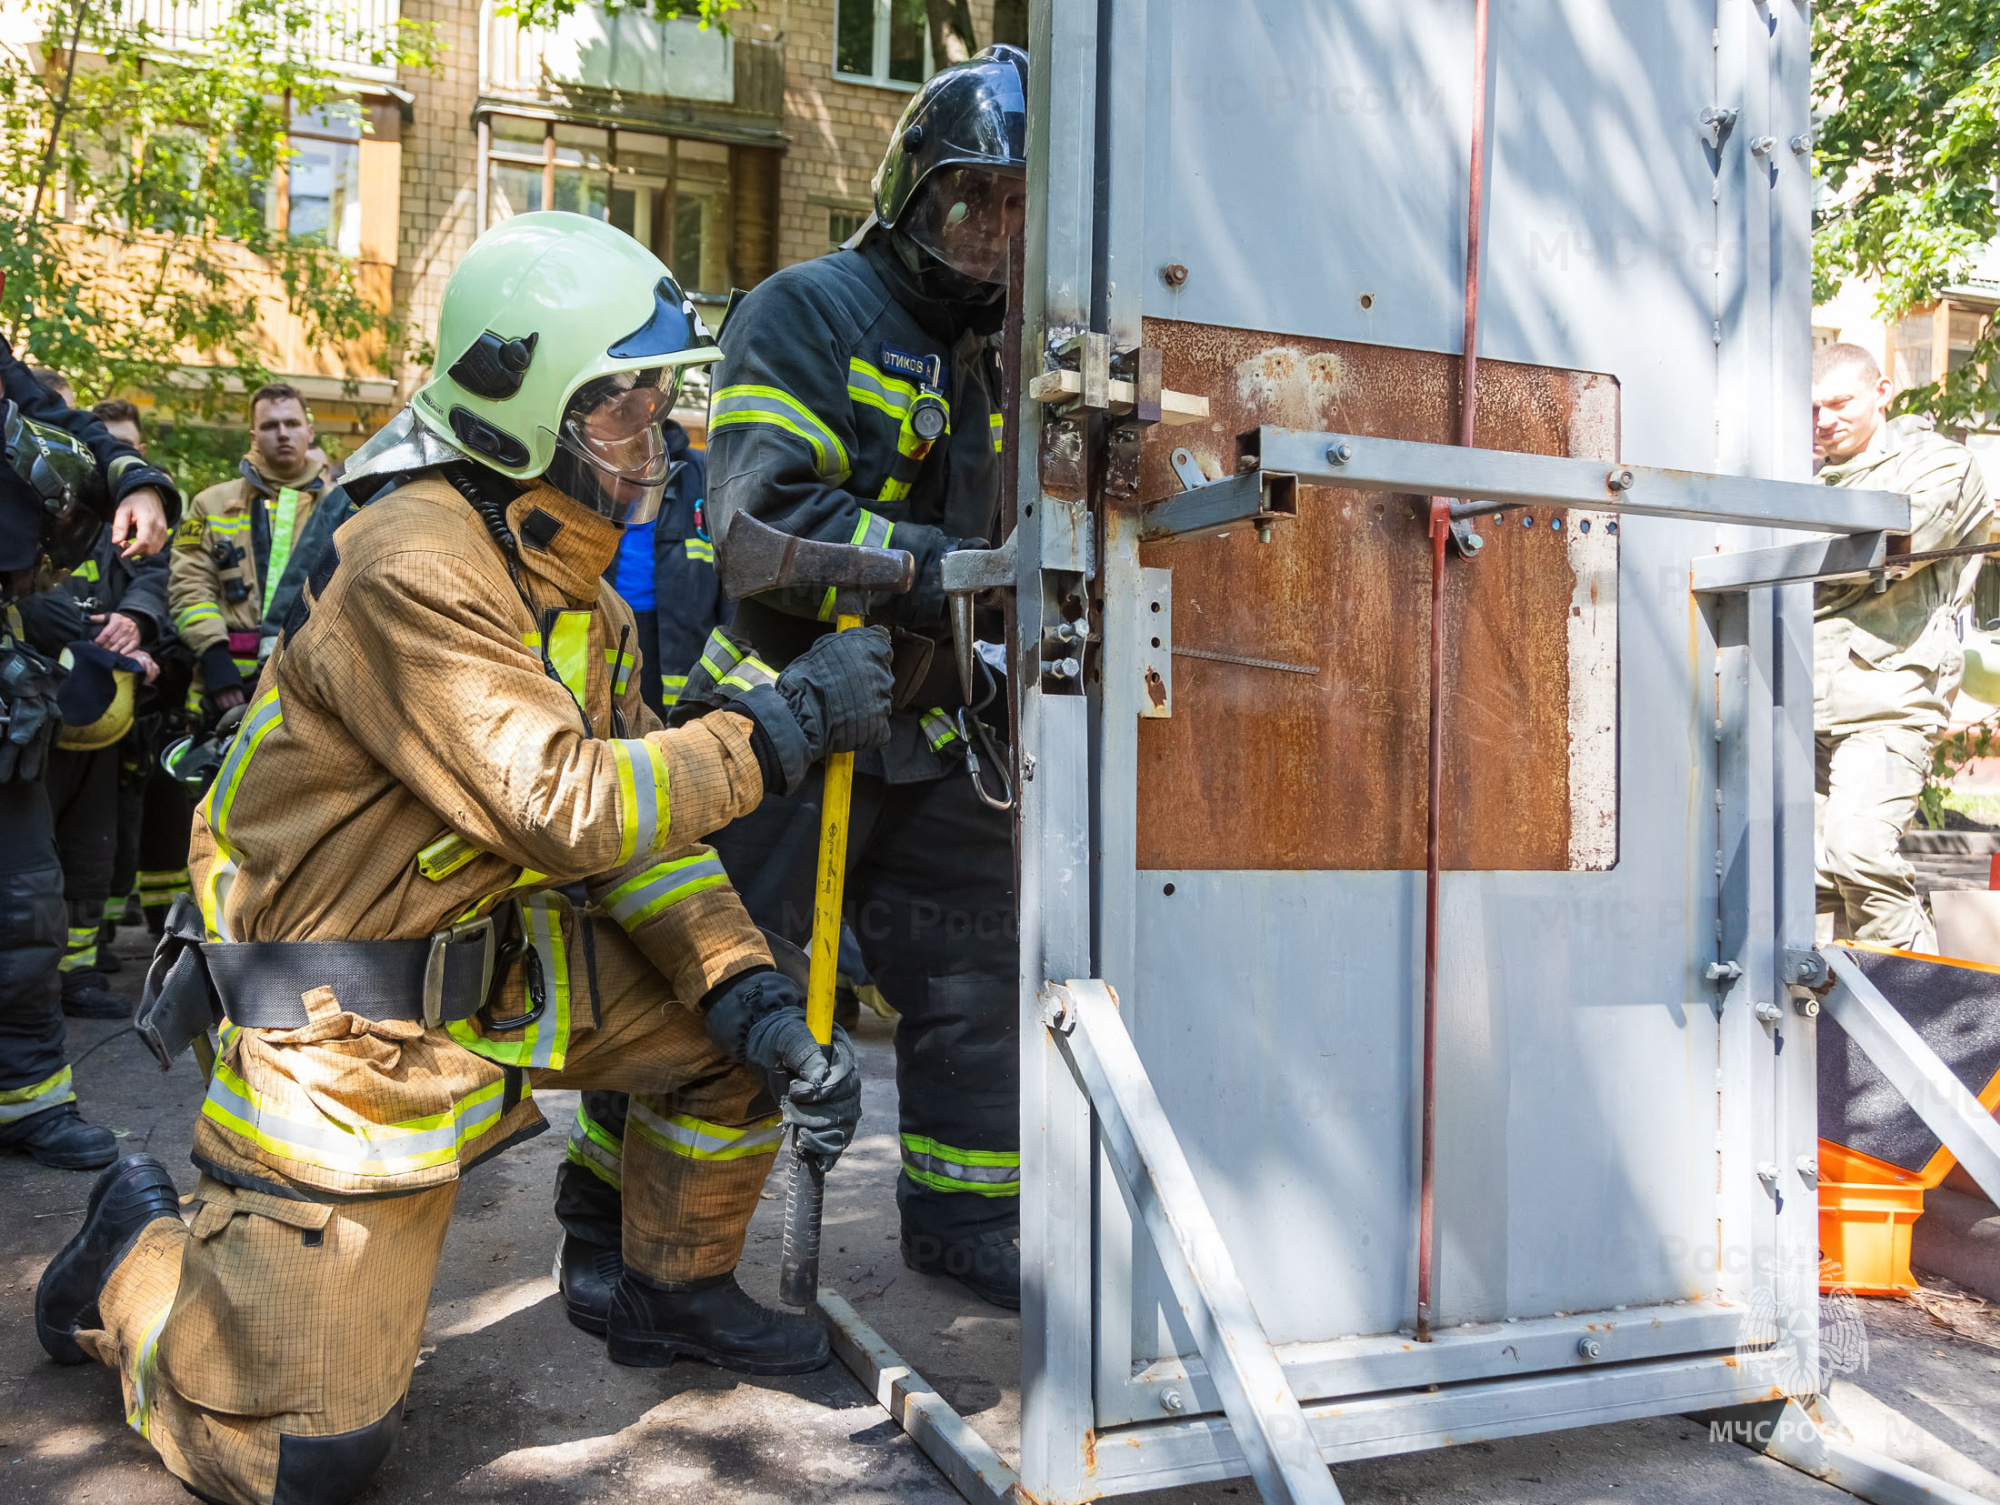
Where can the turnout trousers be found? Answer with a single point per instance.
(265, 1343)
(84, 799)
(34, 1074)
(930, 896)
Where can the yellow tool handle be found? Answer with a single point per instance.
(835, 801)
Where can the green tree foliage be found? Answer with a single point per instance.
(1908, 144)
(134, 232)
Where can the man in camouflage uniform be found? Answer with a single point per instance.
(1886, 664)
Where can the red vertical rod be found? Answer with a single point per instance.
(1440, 531)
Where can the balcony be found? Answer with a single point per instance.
(342, 37)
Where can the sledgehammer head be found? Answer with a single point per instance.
(757, 557)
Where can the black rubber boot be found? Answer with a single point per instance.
(86, 996)
(987, 1264)
(60, 1138)
(712, 1320)
(134, 1192)
(107, 959)
(588, 1274)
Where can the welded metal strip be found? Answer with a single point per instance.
(947, 1439)
(1913, 1069)
(1813, 559)
(1490, 475)
(1263, 1413)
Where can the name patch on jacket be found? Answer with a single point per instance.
(924, 370)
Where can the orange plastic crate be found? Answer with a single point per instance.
(1867, 1210)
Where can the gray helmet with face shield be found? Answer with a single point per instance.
(952, 179)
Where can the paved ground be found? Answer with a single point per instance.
(510, 1403)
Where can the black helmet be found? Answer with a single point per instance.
(52, 491)
(972, 115)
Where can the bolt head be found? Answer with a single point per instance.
(1770, 1013)
(1588, 1348)
(1171, 1402)
(1339, 454)
(1173, 274)
(1620, 479)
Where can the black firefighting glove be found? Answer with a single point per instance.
(219, 672)
(834, 697)
(759, 1018)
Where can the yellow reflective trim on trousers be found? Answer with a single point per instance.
(642, 797)
(943, 1167)
(697, 1139)
(145, 1370)
(871, 529)
(80, 950)
(545, 1043)
(747, 404)
(639, 898)
(392, 1149)
(597, 1150)
(17, 1103)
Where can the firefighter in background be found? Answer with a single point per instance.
(126, 602)
(855, 402)
(1886, 664)
(237, 536)
(472, 856)
(61, 477)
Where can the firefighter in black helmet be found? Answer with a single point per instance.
(856, 401)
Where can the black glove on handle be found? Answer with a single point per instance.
(760, 1018)
(839, 691)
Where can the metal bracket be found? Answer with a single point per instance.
(1253, 496)
(1263, 1412)
(1085, 377)
(1155, 647)
(1942, 1101)
(1716, 122)
(1812, 559)
(1501, 478)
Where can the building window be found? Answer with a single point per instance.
(842, 225)
(885, 42)
(323, 178)
(675, 195)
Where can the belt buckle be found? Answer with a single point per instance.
(482, 930)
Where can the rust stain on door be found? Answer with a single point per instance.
(1260, 770)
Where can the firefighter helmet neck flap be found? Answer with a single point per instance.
(561, 345)
(954, 179)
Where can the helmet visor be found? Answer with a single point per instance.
(613, 426)
(965, 216)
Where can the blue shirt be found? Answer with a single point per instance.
(634, 578)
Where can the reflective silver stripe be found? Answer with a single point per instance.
(698, 1139)
(17, 1103)
(938, 728)
(772, 406)
(596, 1149)
(370, 1150)
(648, 775)
(943, 1167)
(639, 898)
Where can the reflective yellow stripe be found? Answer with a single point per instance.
(283, 520)
(620, 666)
(671, 686)
(569, 651)
(201, 611)
(642, 797)
(371, 1150)
(81, 949)
(544, 1043)
(938, 728)
(638, 899)
(943, 1167)
(17, 1103)
(735, 406)
(729, 665)
(700, 550)
(871, 529)
(229, 522)
(697, 1139)
(263, 717)
(445, 856)
(145, 1369)
(597, 1150)
(996, 423)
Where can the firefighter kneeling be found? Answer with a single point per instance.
(450, 857)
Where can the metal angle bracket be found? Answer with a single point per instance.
(1264, 1414)
(1252, 497)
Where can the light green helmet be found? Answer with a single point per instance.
(546, 313)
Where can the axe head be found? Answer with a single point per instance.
(757, 557)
